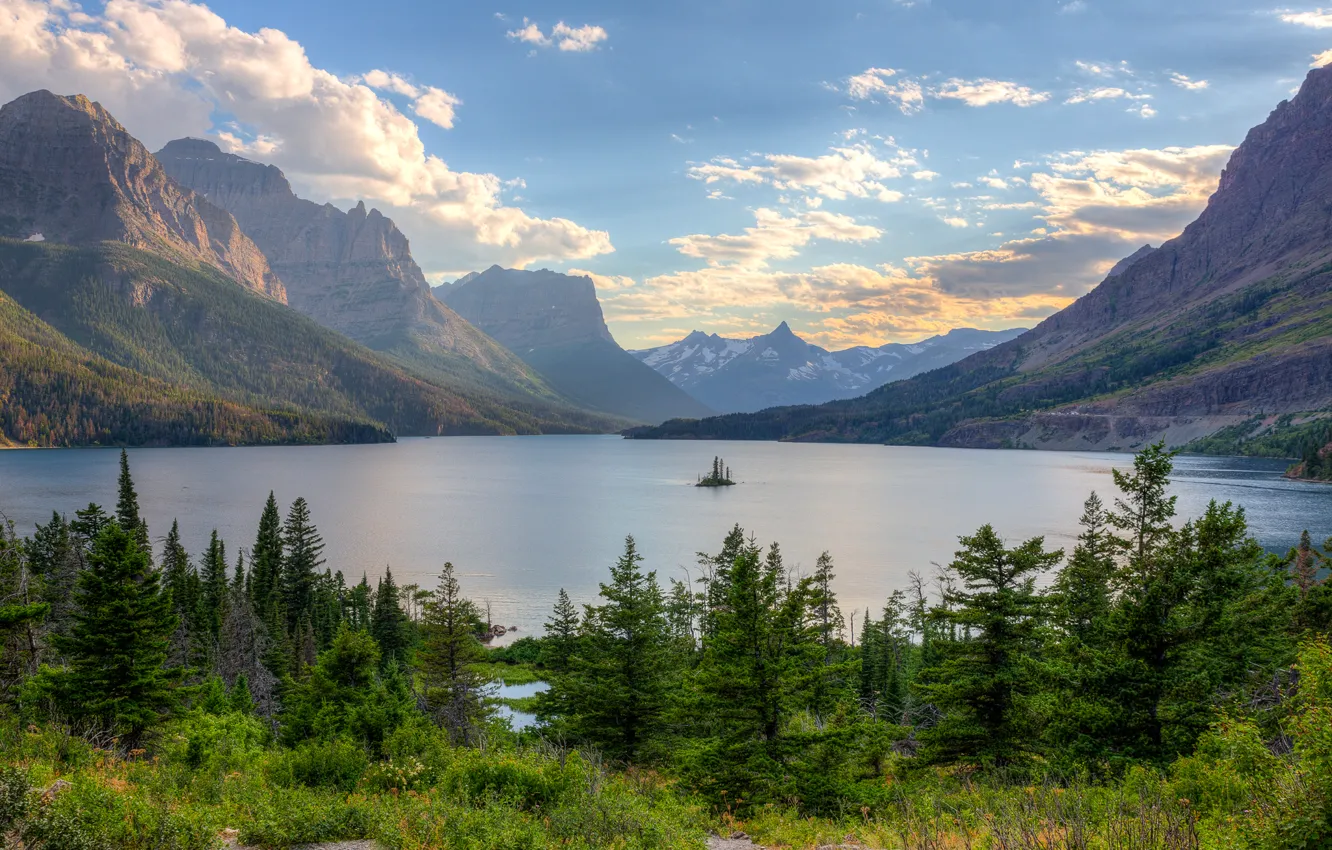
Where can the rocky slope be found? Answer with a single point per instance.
(1228, 321)
(350, 271)
(554, 323)
(780, 368)
(70, 173)
(127, 321)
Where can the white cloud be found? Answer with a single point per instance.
(1073, 7)
(954, 221)
(910, 95)
(985, 92)
(1104, 93)
(569, 39)
(1321, 59)
(1143, 109)
(774, 237)
(1184, 82)
(578, 39)
(1317, 19)
(924, 174)
(165, 68)
(852, 171)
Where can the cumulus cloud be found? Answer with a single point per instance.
(910, 95)
(851, 171)
(774, 237)
(166, 68)
(1097, 208)
(562, 36)
(1184, 82)
(1317, 19)
(1321, 59)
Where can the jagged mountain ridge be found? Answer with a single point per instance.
(69, 172)
(350, 271)
(554, 323)
(780, 368)
(1229, 321)
(117, 301)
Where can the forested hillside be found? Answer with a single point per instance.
(197, 331)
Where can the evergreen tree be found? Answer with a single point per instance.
(88, 523)
(240, 699)
(118, 646)
(127, 507)
(983, 683)
(1081, 594)
(826, 668)
(388, 623)
(244, 645)
(213, 586)
(55, 557)
(304, 548)
(180, 583)
(454, 685)
(617, 687)
(21, 615)
(562, 634)
(716, 578)
(1304, 568)
(266, 563)
(1144, 512)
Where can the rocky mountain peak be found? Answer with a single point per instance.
(525, 309)
(71, 173)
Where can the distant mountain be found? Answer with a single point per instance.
(1228, 325)
(554, 323)
(100, 184)
(144, 316)
(350, 271)
(780, 368)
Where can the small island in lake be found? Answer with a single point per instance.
(719, 476)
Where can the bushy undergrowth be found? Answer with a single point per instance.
(212, 773)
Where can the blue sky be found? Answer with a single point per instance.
(870, 171)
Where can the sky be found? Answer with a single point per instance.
(871, 172)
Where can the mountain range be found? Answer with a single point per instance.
(780, 368)
(137, 311)
(1227, 326)
(554, 323)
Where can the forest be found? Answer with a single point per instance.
(1166, 683)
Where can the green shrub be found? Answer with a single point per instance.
(15, 796)
(335, 764)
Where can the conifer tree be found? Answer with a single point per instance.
(266, 563)
(127, 507)
(240, 699)
(562, 634)
(621, 675)
(213, 586)
(388, 623)
(55, 557)
(118, 646)
(1304, 569)
(454, 685)
(181, 584)
(716, 578)
(304, 548)
(1081, 593)
(984, 682)
(244, 645)
(21, 615)
(88, 523)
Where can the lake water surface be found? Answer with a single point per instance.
(522, 517)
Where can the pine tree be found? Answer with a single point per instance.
(127, 507)
(213, 586)
(562, 634)
(304, 548)
(55, 558)
(984, 683)
(388, 623)
(1144, 512)
(620, 678)
(455, 687)
(240, 699)
(266, 563)
(1304, 569)
(180, 583)
(1081, 594)
(88, 523)
(118, 646)
(243, 645)
(21, 615)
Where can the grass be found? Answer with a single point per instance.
(513, 674)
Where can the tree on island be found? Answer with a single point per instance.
(718, 476)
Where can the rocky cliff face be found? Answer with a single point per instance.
(350, 271)
(529, 309)
(70, 173)
(554, 323)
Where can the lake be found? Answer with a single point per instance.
(521, 517)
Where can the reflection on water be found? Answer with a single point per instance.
(523, 517)
(519, 720)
